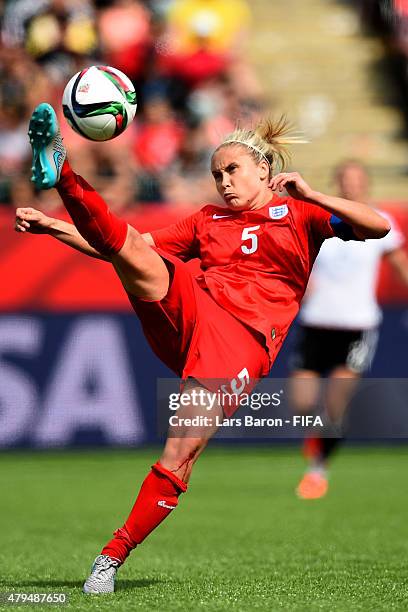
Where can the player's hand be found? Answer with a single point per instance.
(294, 184)
(32, 221)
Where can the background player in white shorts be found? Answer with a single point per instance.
(338, 326)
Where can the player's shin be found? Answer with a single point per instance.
(157, 497)
(90, 213)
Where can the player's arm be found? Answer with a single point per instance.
(35, 222)
(398, 259)
(364, 220)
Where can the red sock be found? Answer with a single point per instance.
(312, 448)
(157, 497)
(90, 213)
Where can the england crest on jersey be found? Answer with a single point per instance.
(278, 212)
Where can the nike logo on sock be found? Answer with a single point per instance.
(163, 504)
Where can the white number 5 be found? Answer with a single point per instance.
(248, 235)
(237, 386)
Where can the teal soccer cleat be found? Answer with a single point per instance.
(49, 152)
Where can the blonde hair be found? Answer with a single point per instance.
(268, 141)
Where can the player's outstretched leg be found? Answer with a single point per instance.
(48, 149)
(105, 232)
(141, 270)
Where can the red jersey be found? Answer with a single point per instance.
(255, 263)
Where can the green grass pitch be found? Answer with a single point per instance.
(239, 540)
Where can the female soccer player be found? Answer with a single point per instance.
(256, 256)
(338, 330)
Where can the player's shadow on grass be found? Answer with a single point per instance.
(122, 585)
(129, 585)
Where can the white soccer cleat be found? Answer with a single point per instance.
(102, 577)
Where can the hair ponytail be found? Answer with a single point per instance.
(269, 141)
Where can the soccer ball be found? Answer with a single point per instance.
(99, 102)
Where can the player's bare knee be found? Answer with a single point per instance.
(344, 372)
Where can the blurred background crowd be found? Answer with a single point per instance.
(187, 61)
(194, 79)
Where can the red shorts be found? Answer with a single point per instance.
(197, 338)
